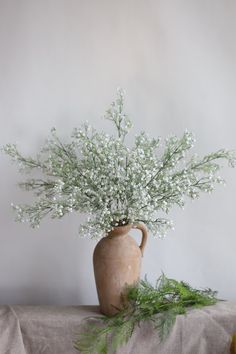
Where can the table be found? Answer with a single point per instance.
(51, 330)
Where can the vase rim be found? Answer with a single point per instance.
(120, 230)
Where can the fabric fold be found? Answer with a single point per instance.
(11, 341)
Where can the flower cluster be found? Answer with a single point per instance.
(99, 175)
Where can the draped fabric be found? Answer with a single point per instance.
(52, 329)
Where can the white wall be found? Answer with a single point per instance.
(60, 63)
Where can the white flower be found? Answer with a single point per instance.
(114, 184)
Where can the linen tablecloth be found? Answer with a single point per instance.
(52, 329)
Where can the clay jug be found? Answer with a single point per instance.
(117, 262)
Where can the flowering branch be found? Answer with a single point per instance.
(99, 175)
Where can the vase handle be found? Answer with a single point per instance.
(143, 229)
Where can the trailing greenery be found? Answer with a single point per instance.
(159, 304)
(113, 184)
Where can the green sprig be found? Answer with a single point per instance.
(159, 304)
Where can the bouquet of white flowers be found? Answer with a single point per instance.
(98, 174)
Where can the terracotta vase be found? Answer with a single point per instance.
(117, 262)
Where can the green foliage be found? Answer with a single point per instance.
(159, 304)
(113, 184)
(96, 337)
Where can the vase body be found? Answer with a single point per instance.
(117, 263)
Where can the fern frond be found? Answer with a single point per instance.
(159, 304)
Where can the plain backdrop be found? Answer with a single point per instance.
(60, 64)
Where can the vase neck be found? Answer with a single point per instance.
(120, 231)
